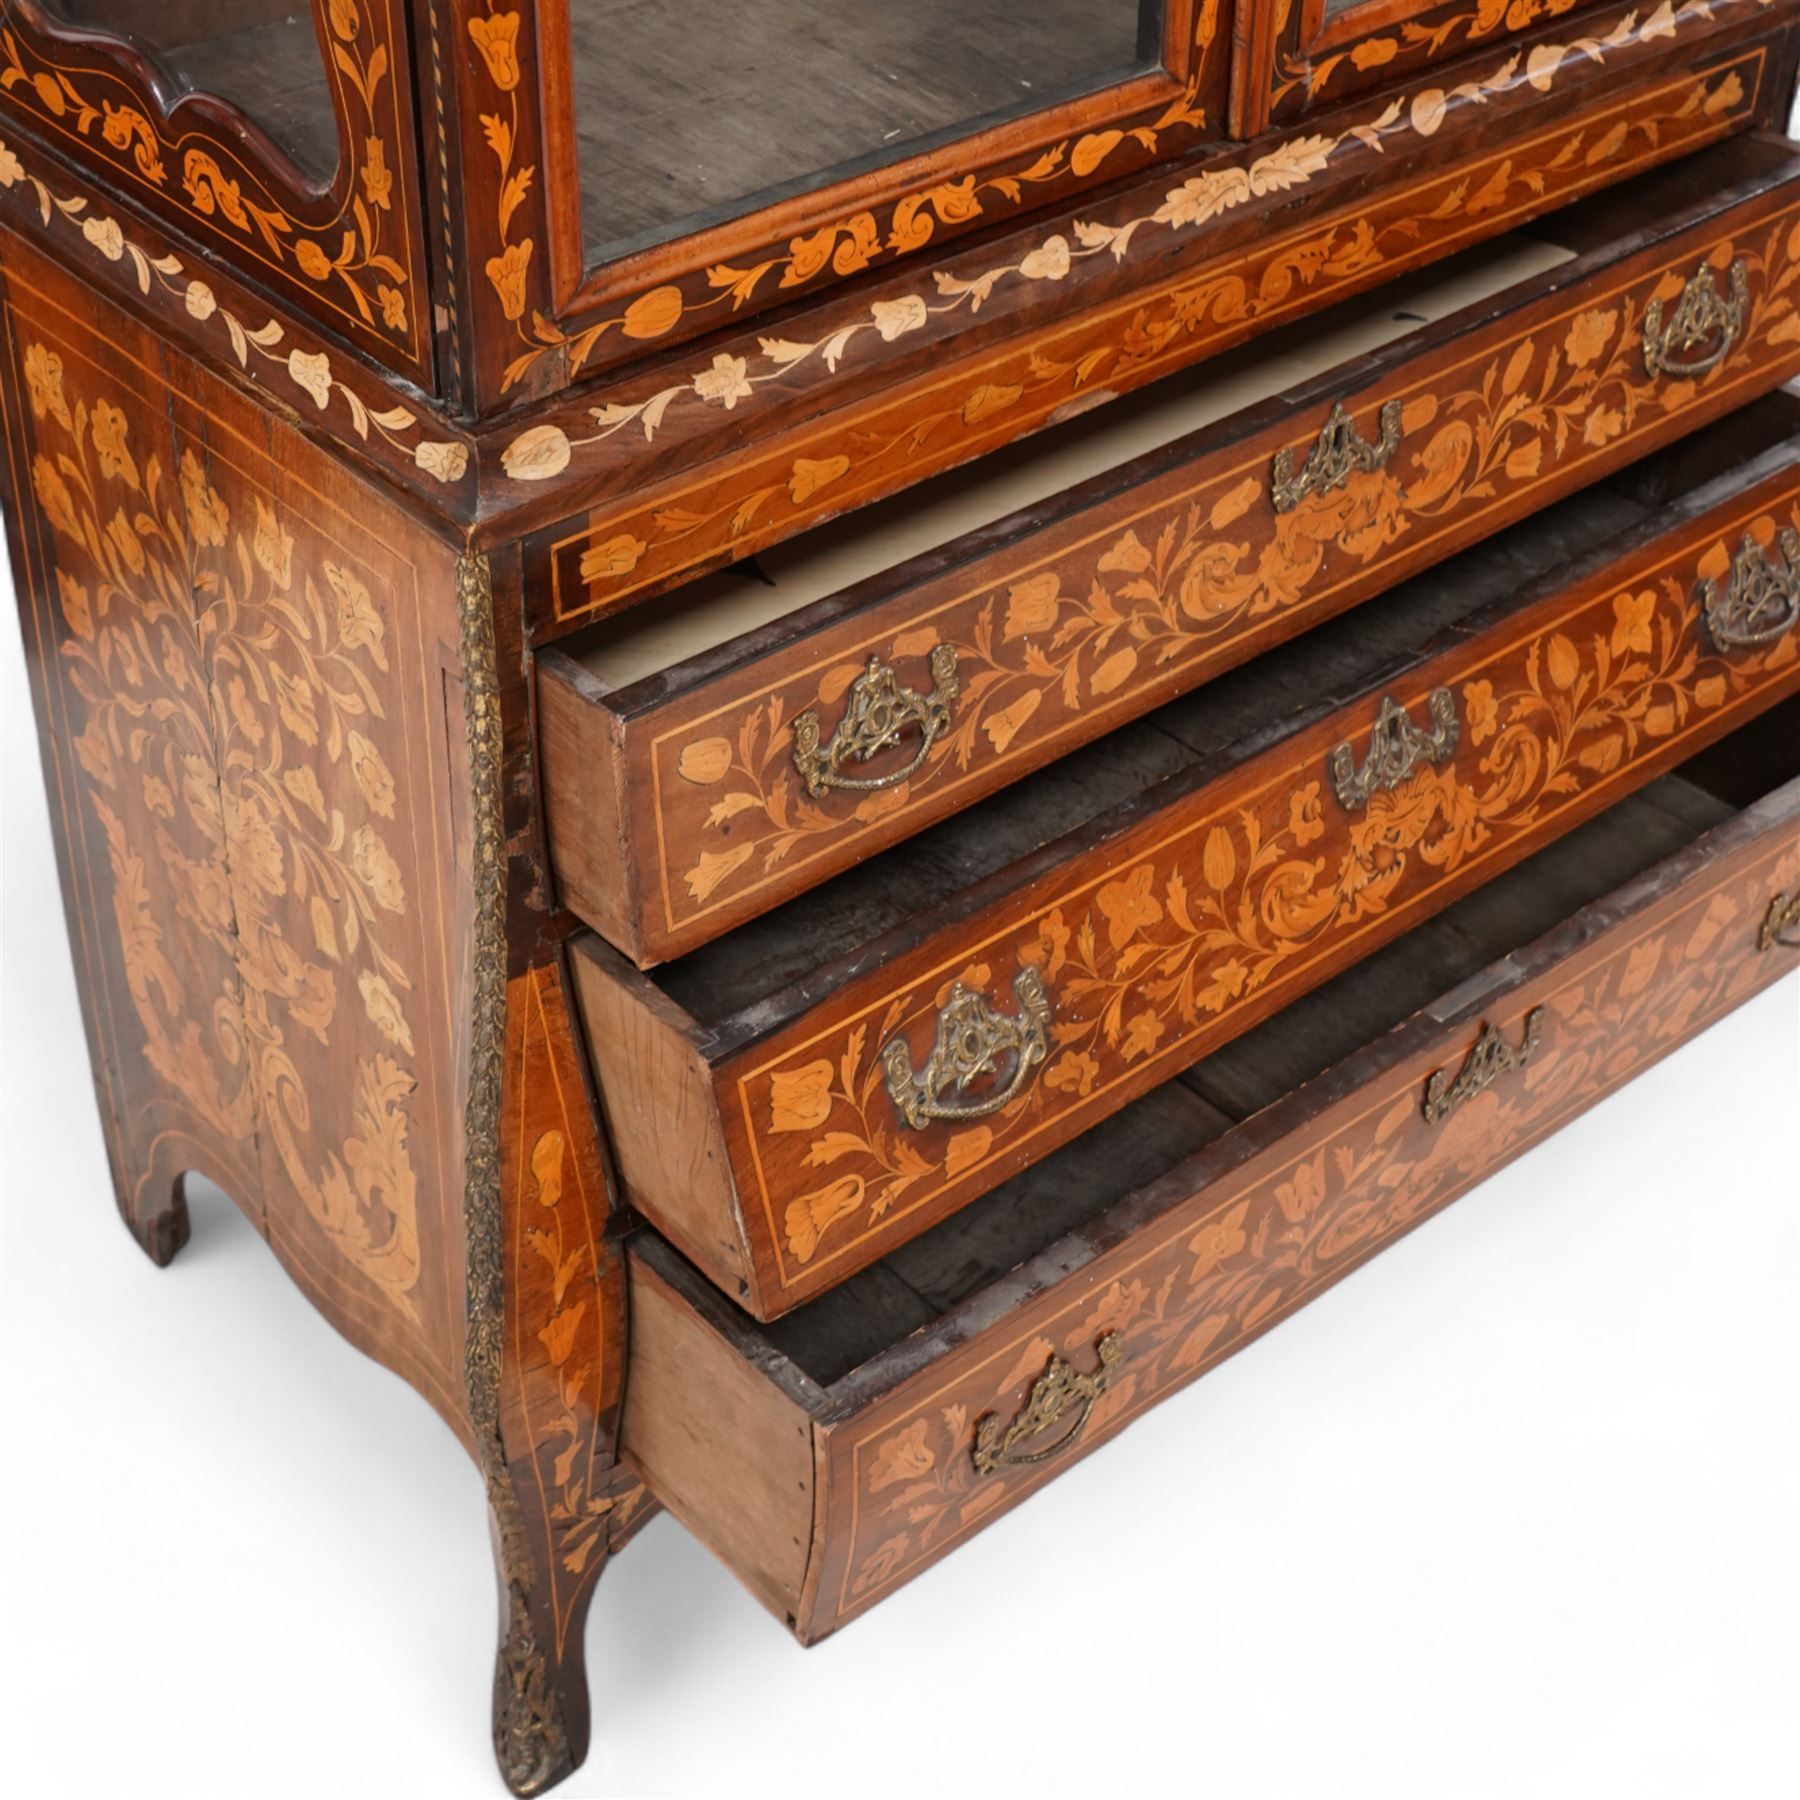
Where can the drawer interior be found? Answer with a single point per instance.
(715, 621)
(1067, 1193)
(779, 963)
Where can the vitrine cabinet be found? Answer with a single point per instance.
(814, 740)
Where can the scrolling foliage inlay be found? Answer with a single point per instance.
(742, 374)
(645, 540)
(1074, 638)
(1428, 34)
(268, 348)
(1196, 918)
(1229, 1264)
(837, 248)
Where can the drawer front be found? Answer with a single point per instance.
(669, 826)
(1243, 1238)
(1142, 950)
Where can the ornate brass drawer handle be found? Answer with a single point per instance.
(1491, 1058)
(1781, 924)
(972, 1041)
(1060, 1390)
(1340, 452)
(1396, 747)
(1701, 315)
(880, 710)
(1761, 602)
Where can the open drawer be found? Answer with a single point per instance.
(709, 754)
(831, 1456)
(793, 1101)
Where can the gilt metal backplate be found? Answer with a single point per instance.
(1491, 1058)
(879, 712)
(1060, 1391)
(1703, 315)
(1396, 748)
(1340, 452)
(973, 1042)
(1761, 601)
(1781, 923)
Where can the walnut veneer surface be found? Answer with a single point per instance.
(797, 851)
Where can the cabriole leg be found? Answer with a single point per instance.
(547, 1324)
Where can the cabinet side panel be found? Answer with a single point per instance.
(239, 660)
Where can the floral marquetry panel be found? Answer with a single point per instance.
(1267, 1224)
(1177, 932)
(241, 666)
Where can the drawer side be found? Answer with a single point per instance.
(661, 1120)
(720, 1445)
(591, 850)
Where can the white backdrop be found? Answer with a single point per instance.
(1513, 1512)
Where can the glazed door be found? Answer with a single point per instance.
(1306, 54)
(278, 133)
(751, 102)
(712, 158)
(264, 57)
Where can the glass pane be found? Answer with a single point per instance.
(703, 109)
(261, 55)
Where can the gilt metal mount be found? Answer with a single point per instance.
(1059, 1391)
(1761, 601)
(1396, 748)
(1491, 1058)
(1703, 315)
(973, 1041)
(1340, 452)
(880, 710)
(1781, 923)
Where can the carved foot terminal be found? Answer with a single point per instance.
(541, 1719)
(161, 1230)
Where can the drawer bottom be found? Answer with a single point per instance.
(835, 1453)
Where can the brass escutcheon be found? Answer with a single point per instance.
(879, 710)
(1061, 1389)
(972, 1041)
(1700, 315)
(1396, 747)
(1781, 923)
(1340, 452)
(1761, 602)
(1491, 1058)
